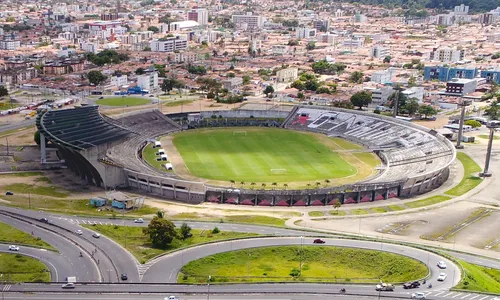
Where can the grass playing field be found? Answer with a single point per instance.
(267, 155)
(122, 101)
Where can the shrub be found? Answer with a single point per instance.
(295, 273)
(215, 230)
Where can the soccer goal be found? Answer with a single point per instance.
(278, 171)
(239, 132)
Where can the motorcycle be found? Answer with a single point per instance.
(81, 255)
(429, 286)
(342, 291)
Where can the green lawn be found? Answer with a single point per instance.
(379, 210)
(11, 235)
(149, 154)
(316, 213)
(347, 145)
(23, 188)
(337, 212)
(123, 101)
(470, 181)
(479, 278)
(427, 201)
(358, 211)
(178, 103)
(20, 268)
(395, 207)
(260, 155)
(486, 136)
(329, 264)
(71, 206)
(242, 219)
(139, 245)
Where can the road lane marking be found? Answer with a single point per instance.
(457, 295)
(84, 222)
(448, 294)
(484, 297)
(474, 297)
(437, 294)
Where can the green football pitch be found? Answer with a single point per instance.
(123, 101)
(264, 155)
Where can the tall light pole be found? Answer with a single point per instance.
(208, 287)
(463, 103)
(492, 128)
(301, 251)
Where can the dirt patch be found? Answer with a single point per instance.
(21, 138)
(175, 158)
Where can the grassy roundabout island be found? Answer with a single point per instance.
(124, 101)
(272, 156)
(319, 264)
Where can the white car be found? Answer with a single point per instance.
(140, 220)
(96, 235)
(79, 232)
(69, 285)
(441, 264)
(418, 295)
(442, 276)
(13, 248)
(171, 298)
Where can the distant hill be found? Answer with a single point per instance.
(474, 5)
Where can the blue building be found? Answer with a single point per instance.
(491, 75)
(98, 202)
(445, 74)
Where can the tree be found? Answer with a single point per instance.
(356, 77)
(96, 77)
(269, 90)
(3, 91)
(387, 59)
(185, 231)
(361, 99)
(336, 206)
(411, 107)
(170, 84)
(161, 232)
(154, 29)
(160, 214)
(311, 45)
(293, 43)
(246, 79)
(140, 71)
(473, 123)
(493, 111)
(412, 81)
(426, 111)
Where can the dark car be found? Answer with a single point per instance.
(44, 220)
(411, 285)
(9, 193)
(318, 241)
(124, 276)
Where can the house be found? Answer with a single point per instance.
(287, 75)
(232, 83)
(98, 201)
(120, 200)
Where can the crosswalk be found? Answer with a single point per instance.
(6, 287)
(447, 294)
(83, 221)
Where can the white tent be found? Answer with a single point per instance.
(157, 144)
(169, 166)
(164, 157)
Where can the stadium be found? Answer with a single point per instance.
(301, 156)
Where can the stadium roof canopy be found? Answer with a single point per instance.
(79, 128)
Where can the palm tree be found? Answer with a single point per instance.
(274, 184)
(263, 186)
(160, 214)
(285, 185)
(318, 184)
(232, 182)
(327, 181)
(242, 183)
(252, 184)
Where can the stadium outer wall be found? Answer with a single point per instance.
(196, 192)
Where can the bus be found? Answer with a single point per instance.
(456, 127)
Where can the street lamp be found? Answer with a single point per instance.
(208, 287)
(301, 251)
(492, 127)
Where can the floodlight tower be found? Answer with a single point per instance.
(463, 103)
(492, 127)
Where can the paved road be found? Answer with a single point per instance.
(69, 263)
(17, 125)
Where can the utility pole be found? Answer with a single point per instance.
(208, 287)
(486, 173)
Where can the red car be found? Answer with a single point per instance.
(318, 241)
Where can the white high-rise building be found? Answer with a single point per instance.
(169, 44)
(461, 10)
(378, 51)
(446, 54)
(148, 81)
(199, 15)
(248, 21)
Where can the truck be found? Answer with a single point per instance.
(384, 287)
(71, 279)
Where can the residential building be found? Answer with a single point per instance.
(61, 67)
(381, 95)
(280, 49)
(287, 75)
(493, 37)
(130, 39)
(445, 19)
(148, 81)
(109, 16)
(487, 18)
(92, 47)
(232, 83)
(383, 76)
(379, 51)
(169, 44)
(359, 18)
(339, 13)
(414, 92)
(353, 43)
(461, 86)
(304, 33)
(491, 75)
(66, 52)
(12, 77)
(327, 38)
(322, 25)
(118, 81)
(444, 74)
(446, 54)
(461, 10)
(199, 15)
(10, 45)
(248, 21)
(186, 57)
